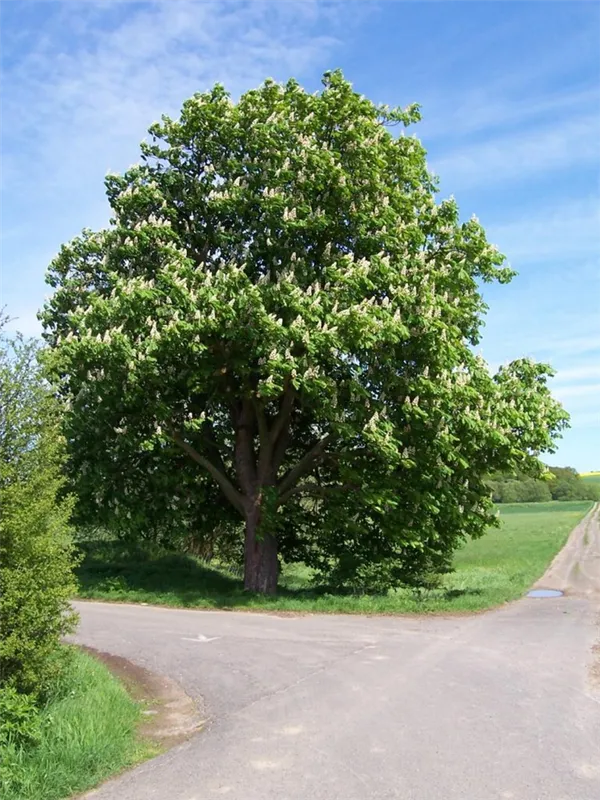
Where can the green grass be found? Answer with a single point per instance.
(89, 732)
(499, 567)
(591, 477)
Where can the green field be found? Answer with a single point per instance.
(499, 567)
(88, 732)
(591, 477)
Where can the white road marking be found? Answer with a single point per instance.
(200, 638)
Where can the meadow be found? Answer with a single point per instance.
(591, 477)
(497, 568)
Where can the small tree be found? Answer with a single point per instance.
(36, 553)
(281, 311)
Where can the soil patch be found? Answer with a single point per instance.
(170, 715)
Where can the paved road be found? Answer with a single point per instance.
(499, 705)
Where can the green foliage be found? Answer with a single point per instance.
(19, 719)
(36, 553)
(568, 485)
(277, 328)
(85, 732)
(560, 483)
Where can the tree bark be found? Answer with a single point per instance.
(260, 563)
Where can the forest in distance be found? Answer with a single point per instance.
(562, 483)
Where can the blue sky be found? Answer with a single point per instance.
(511, 103)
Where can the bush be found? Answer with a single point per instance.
(36, 550)
(19, 719)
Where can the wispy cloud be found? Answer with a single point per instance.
(581, 373)
(556, 233)
(578, 390)
(86, 106)
(590, 419)
(84, 80)
(517, 157)
(493, 109)
(570, 345)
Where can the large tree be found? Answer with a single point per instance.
(282, 317)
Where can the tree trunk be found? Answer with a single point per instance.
(260, 561)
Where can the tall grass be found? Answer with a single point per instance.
(88, 733)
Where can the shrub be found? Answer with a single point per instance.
(36, 551)
(19, 719)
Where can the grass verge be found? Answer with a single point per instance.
(499, 567)
(88, 733)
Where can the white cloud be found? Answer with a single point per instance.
(577, 345)
(578, 390)
(84, 80)
(516, 157)
(76, 111)
(587, 419)
(581, 373)
(493, 108)
(557, 233)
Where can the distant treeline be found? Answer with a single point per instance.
(566, 484)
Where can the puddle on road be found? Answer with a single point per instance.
(545, 593)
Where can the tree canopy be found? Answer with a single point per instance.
(277, 328)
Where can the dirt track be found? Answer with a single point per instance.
(576, 569)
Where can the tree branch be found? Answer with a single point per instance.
(265, 451)
(305, 464)
(273, 440)
(281, 426)
(279, 448)
(199, 256)
(315, 489)
(229, 490)
(261, 420)
(285, 411)
(211, 440)
(244, 421)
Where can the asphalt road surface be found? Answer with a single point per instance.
(499, 705)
